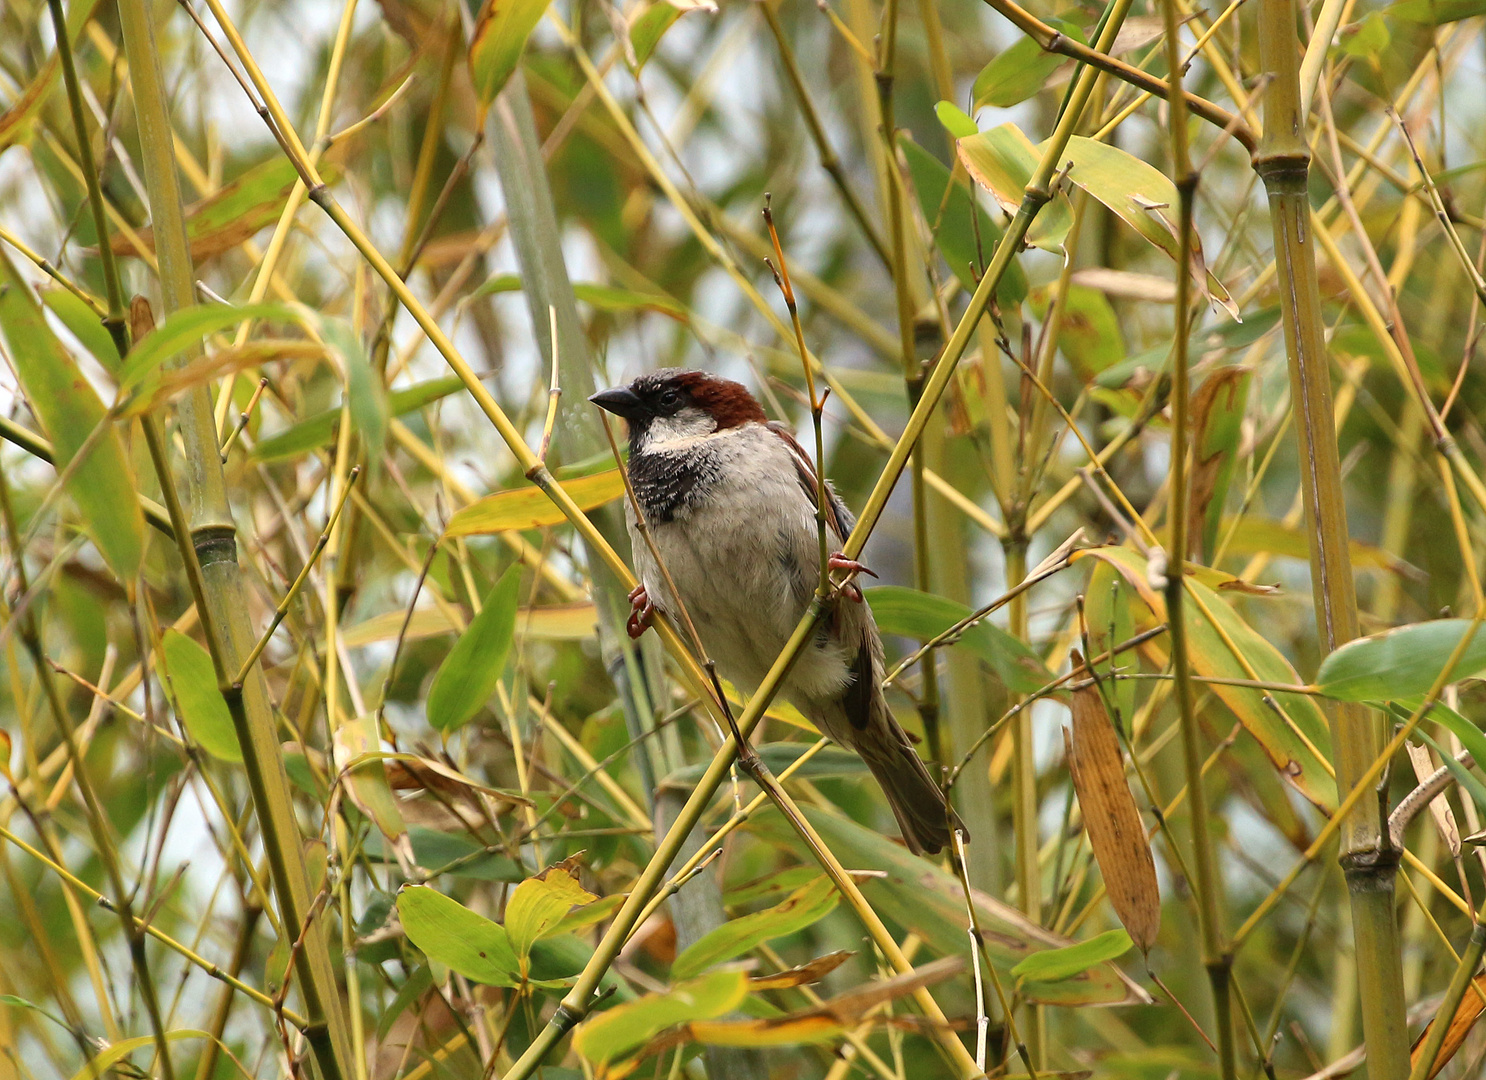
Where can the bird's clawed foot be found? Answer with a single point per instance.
(838, 561)
(641, 611)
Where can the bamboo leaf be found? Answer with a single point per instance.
(949, 217)
(1054, 965)
(185, 328)
(453, 935)
(501, 30)
(235, 212)
(613, 1033)
(828, 1020)
(1436, 12)
(1111, 819)
(609, 298)
(530, 508)
(315, 431)
(1019, 72)
(929, 901)
(650, 25)
(806, 905)
(922, 616)
(539, 904)
(86, 326)
(366, 396)
(357, 746)
(1143, 197)
(203, 711)
(115, 1053)
(1090, 333)
(953, 119)
(1217, 428)
(469, 674)
(804, 974)
(1289, 727)
(1401, 663)
(68, 410)
(1002, 160)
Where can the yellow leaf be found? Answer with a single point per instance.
(529, 507)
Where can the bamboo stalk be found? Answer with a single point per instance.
(211, 561)
(1208, 883)
(1370, 863)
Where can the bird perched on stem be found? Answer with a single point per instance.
(730, 503)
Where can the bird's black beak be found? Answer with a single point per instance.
(621, 401)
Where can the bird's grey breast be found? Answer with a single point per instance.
(737, 534)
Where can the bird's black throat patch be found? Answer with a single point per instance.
(670, 484)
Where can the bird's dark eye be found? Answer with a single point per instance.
(669, 398)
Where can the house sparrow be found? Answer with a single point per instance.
(730, 501)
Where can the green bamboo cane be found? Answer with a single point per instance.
(1283, 163)
(1209, 885)
(211, 560)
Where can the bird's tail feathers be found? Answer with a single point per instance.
(924, 817)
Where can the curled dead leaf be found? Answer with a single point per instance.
(1116, 832)
(814, 971)
(1469, 1011)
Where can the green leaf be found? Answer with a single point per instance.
(922, 616)
(1366, 38)
(1217, 412)
(366, 395)
(185, 328)
(1020, 71)
(1055, 965)
(84, 325)
(500, 36)
(1401, 663)
(233, 213)
(608, 298)
(1471, 737)
(316, 430)
(469, 674)
(625, 1027)
(358, 741)
(453, 935)
(954, 229)
(203, 710)
(68, 409)
(1286, 725)
(954, 120)
(1437, 11)
(1002, 160)
(650, 26)
(412, 988)
(1090, 334)
(496, 283)
(1142, 196)
(603, 297)
(539, 904)
(924, 898)
(436, 849)
(110, 1056)
(805, 906)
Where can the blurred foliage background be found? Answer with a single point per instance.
(448, 705)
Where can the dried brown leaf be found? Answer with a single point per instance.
(1116, 832)
(814, 971)
(1471, 1007)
